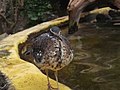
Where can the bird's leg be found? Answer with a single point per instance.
(56, 76)
(49, 85)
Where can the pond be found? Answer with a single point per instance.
(96, 63)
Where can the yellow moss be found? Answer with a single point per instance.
(24, 75)
(104, 10)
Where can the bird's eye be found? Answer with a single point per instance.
(27, 53)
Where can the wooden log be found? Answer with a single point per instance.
(104, 11)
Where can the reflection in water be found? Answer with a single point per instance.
(96, 64)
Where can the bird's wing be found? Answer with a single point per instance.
(66, 42)
(45, 47)
(39, 45)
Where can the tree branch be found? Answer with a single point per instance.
(8, 22)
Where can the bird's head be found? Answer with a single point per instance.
(55, 30)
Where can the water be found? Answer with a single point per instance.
(96, 63)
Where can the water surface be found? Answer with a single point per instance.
(96, 63)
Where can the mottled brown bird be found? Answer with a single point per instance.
(51, 51)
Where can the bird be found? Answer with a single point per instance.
(51, 51)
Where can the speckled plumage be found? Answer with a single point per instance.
(51, 51)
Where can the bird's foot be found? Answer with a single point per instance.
(52, 88)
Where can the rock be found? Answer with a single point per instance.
(2, 36)
(22, 74)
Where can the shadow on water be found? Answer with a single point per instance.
(96, 64)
